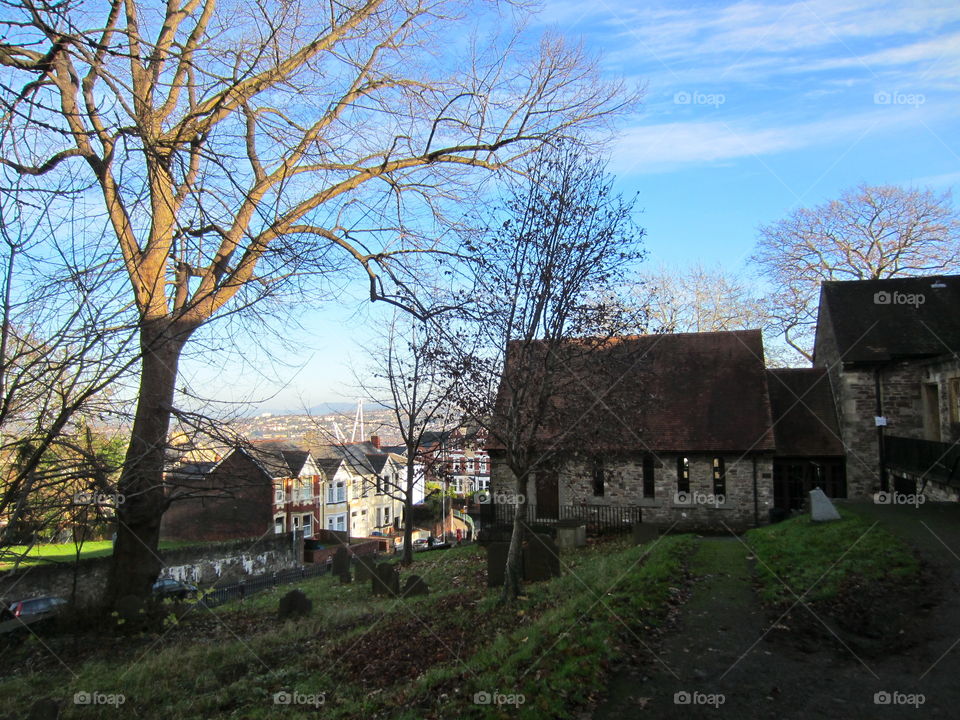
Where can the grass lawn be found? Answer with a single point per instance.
(822, 559)
(452, 654)
(67, 552)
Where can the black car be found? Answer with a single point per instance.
(169, 588)
(33, 608)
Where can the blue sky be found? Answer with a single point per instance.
(751, 111)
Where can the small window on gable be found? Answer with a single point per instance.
(683, 474)
(599, 478)
(719, 477)
(649, 484)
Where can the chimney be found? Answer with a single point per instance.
(375, 441)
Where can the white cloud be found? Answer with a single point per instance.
(664, 147)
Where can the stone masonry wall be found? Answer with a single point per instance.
(623, 485)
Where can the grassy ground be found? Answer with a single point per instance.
(453, 653)
(823, 559)
(67, 552)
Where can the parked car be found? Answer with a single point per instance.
(420, 544)
(169, 588)
(33, 608)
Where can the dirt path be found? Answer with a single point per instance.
(726, 662)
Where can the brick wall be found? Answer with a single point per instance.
(234, 501)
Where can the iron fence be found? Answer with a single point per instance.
(599, 519)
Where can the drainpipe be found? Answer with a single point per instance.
(877, 391)
(756, 501)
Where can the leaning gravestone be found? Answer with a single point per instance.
(386, 580)
(644, 533)
(341, 562)
(821, 509)
(293, 605)
(415, 585)
(496, 563)
(541, 559)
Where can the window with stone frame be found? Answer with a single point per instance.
(599, 478)
(719, 477)
(649, 479)
(683, 474)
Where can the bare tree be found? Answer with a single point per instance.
(409, 376)
(237, 150)
(699, 299)
(560, 241)
(869, 233)
(64, 346)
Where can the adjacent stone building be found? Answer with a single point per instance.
(890, 348)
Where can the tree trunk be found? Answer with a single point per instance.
(512, 575)
(407, 558)
(136, 562)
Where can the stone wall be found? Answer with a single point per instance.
(623, 485)
(201, 564)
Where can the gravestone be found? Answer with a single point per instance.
(341, 561)
(364, 569)
(415, 585)
(293, 605)
(386, 580)
(821, 509)
(541, 559)
(571, 534)
(496, 563)
(644, 533)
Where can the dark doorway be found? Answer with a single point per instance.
(548, 494)
(794, 478)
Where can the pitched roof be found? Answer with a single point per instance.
(364, 457)
(804, 414)
(683, 392)
(897, 318)
(278, 458)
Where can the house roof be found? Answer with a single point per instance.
(364, 457)
(804, 414)
(279, 459)
(683, 392)
(898, 318)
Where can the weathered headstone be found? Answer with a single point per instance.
(496, 563)
(571, 534)
(541, 559)
(294, 604)
(821, 509)
(386, 580)
(415, 585)
(644, 533)
(364, 569)
(341, 561)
